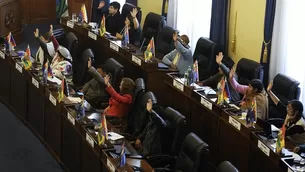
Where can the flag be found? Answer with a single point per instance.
(10, 41)
(195, 69)
(83, 14)
(226, 92)
(26, 60)
(126, 35)
(102, 28)
(122, 156)
(45, 73)
(251, 114)
(280, 142)
(101, 136)
(61, 91)
(150, 50)
(220, 89)
(50, 73)
(81, 110)
(62, 8)
(104, 126)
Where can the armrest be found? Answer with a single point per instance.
(161, 160)
(278, 122)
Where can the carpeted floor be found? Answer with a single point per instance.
(20, 150)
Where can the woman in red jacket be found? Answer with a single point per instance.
(119, 104)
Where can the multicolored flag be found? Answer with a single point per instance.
(83, 13)
(26, 60)
(280, 142)
(123, 156)
(150, 50)
(61, 90)
(223, 91)
(10, 41)
(50, 73)
(102, 28)
(252, 113)
(104, 126)
(126, 35)
(195, 69)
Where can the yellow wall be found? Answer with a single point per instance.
(150, 6)
(249, 28)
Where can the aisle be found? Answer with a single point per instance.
(20, 150)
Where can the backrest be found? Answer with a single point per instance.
(205, 54)
(152, 26)
(247, 70)
(137, 119)
(226, 166)
(165, 42)
(194, 154)
(127, 7)
(140, 88)
(286, 88)
(175, 130)
(83, 67)
(116, 70)
(71, 43)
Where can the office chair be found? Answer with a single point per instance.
(226, 166)
(71, 43)
(127, 7)
(247, 70)
(116, 70)
(81, 67)
(153, 24)
(205, 54)
(286, 89)
(193, 156)
(165, 42)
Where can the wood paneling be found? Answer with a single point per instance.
(9, 17)
(42, 11)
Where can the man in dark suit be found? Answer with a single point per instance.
(114, 21)
(99, 8)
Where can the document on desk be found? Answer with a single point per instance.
(2, 55)
(75, 100)
(54, 80)
(114, 136)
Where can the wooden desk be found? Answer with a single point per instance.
(5, 78)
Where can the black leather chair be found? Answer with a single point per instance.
(153, 24)
(139, 90)
(116, 70)
(247, 70)
(205, 54)
(81, 68)
(71, 43)
(165, 42)
(127, 7)
(193, 156)
(226, 166)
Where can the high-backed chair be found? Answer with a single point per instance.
(127, 7)
(193, 156)
(226, 166)
(81, 68)
(286, 89)
(139, 90)
(165, 42)
(153, 24)
(247, 70)
(116, 70)
(71, 43)
(205, 54)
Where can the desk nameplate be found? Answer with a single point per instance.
(178, 85)
(18, 67)
(263, 148)
(90, 140)
(70, 24)
(70, 118)
(114, 47)
(92, 35)
(35, 82)
(234, 123)
(110, 166)
(136, 60)
(206, 103)
(2, 55)
(52, 99)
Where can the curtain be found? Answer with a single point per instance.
(287, 56)
(266, 45)
(219, 24)
(172, 13)
(193, 19)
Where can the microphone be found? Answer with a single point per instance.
(122, 30)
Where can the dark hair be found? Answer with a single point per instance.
(103, 67)
(47, 36)
(185, 39)
(297, 106)
(115, 5)
(130, 20)
(257, 84)
(128, 86)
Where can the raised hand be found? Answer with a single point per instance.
(36, 33)
(149, 105)
(51, 30)
(219, 58)
(107, 79)
(101, 5)
(89, 63)
(134, 12)
(270, 86)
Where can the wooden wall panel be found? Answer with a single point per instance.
(42, 11)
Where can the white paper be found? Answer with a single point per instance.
(209, 90)
(110, 166)
(114, 136)
(178, 85)
(274, 128)
(114, 46)
(234, 123)
(2, 55)
(75, 99)
(54, 80)
(136, 60)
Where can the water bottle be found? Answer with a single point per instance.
(185, 78)
(191, 76)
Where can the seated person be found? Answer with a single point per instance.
(215, 79)
(119, 104)
(48, 45)
(61, 64)
(95, 90)
(294, 121)
(114, 21)
(255, 89)
(132, 23)
(181, 57)
(148, 142)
